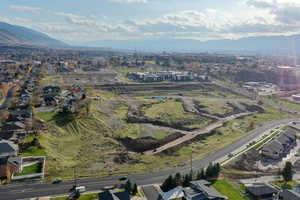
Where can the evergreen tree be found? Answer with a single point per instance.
(168, 184)
(287, 172)
(198, 176)
(186, 180)
(209, 171)
(134, 189)
(128, 186)
(218, 169)
(191, 176)
(202, 174)
(178, 179)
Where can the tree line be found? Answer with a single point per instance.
(210, 173)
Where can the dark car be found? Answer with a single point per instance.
(124, 178)
(57, 181)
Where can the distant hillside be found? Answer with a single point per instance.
(12, 34)
(270, 44)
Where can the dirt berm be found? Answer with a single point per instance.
(147, 143)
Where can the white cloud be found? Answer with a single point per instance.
(129, 1)
(263, 17)
(20, 8)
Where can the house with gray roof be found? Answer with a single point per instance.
(289, 195)
(260, 191)
(112, 195)
(202, 190)
(280, 145)
(8, 148)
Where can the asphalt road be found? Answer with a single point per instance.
(13, 192)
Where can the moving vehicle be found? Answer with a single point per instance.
(80, 189)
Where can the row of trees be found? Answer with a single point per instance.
(211, 173)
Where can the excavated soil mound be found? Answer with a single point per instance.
(147, 143)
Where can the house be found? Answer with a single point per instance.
(50, 95)
(280, 146)
(7, 148)
(151, 192)
(111, 195)
(51, 90)
(202, 190)
(261, 191)
(176, 193)
(289, 195)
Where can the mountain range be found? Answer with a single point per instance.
(263, 44)
(16, 35)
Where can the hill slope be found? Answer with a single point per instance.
(12, 34)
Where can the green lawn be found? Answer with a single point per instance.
(91, 196)
(226, 189)
(33, 151)
(32, 169)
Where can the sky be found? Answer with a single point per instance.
(91, 20)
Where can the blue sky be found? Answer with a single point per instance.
(90, 20)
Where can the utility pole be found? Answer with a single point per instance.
(191, 162)
(75, 177)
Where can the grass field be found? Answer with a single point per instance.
(172, 112)
(84, 142)
(135, 131)
(217, 107)
(226, 189)
(51, 80)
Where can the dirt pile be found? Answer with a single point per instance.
(147, 143)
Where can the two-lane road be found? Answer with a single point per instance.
(13, 192)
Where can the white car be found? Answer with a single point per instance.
(80, 189)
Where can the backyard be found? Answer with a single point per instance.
(225, 188)
(32, 169)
